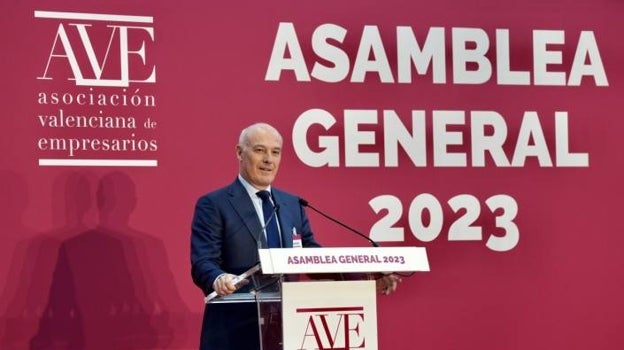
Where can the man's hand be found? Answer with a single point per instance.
(227, 284)
(387, 284)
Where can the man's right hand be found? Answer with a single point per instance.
(226, 284)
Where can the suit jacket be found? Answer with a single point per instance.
(226, 235)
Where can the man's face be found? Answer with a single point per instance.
(259, 157)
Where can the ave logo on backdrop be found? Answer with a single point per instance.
(96, 107)
(99, 49)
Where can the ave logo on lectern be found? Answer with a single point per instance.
(337, 328)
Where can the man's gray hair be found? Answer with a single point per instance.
(244, 136)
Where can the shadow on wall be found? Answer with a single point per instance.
(29, 277)
(106, 286)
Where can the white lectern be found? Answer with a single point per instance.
(326, 314)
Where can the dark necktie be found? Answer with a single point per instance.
(270, 220)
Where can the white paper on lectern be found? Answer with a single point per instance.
(337, 260)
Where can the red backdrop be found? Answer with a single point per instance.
(97, 257)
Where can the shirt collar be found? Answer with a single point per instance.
(250, 189)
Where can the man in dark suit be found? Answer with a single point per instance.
(227, 231)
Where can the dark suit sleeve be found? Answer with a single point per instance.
(206, 241)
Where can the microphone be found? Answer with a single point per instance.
(259, 281)
(266, 224)
(305, 203)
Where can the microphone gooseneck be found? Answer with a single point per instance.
(266, 224)
(305, 203)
